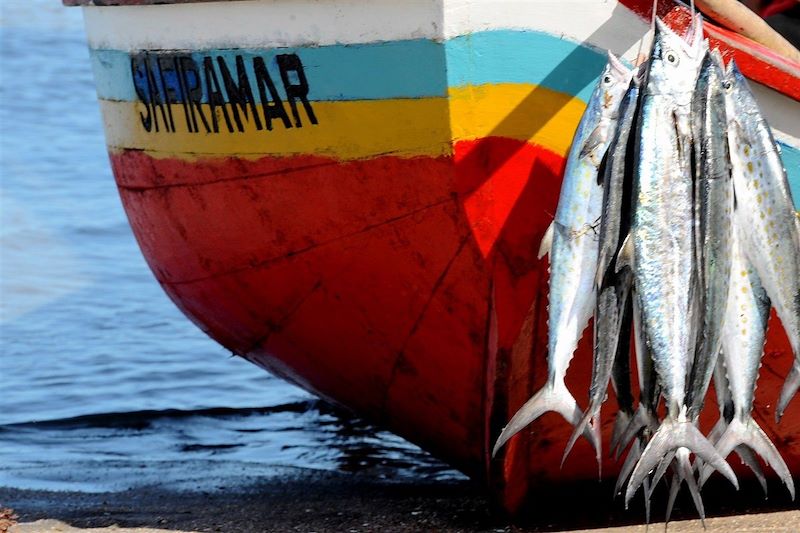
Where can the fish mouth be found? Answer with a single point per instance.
(690, 42)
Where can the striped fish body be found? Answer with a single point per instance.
(713, 214)
(572, 244)
(573, 256)
(764, 207)
(663, 254)
(744, 330)
(743, 336)
(614, 287)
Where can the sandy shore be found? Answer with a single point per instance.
(340, 502)
(779, 522)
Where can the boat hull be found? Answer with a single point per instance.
(351, 195)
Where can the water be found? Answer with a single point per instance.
(104, 385)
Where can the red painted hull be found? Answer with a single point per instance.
(406, 289)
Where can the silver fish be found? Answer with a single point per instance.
(613, 288)
(572, 243)
(713, 222)
(744, 334)
(765, 208)
(725, 405)
(660, 246)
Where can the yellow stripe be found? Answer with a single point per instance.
(518, 111)
(366, 128)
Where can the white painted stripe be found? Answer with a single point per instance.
(281, 23)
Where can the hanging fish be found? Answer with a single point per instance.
(713, 223)
(726, 408)
(613, 288)
(743, 338)
(572, 243)
(660, 246)
(765, 208)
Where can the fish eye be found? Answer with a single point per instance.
(671, 58)
(726, 85)
(606, 79)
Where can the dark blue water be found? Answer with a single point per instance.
(104, 385)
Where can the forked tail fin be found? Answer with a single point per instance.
(591, 431)
(685, 472)
(627, 466)
(748, 433)
(642, 419)
(550, 398)
(620, 425)
(671, 436)
(790, 387)
(745, 454)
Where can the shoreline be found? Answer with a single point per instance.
(327, 501)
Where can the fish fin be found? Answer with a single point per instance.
(595, 139)
(547, 241)
(550, 398)
(620, 424)
(749, 433)
(601, 169)
(674, 487)
(717, 431)
(641, 419)
(646, 489)
(683, 472)
(590, 430)
(672, 435)
(661, 470)
(687, 475)
(790, 387)
(625, 255)
(749, 458)
(627, 467)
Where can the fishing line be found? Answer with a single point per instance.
(652, 29)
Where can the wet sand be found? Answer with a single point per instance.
(341, 502)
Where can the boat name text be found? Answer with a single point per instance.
(216, 95)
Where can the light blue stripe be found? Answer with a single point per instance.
(791, 162)
(403, 69)
(523, 57)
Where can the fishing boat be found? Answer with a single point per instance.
(351, 195)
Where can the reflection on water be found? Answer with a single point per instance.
(85, 330)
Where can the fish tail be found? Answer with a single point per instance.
(665, 463)
(684, 472)
(590, 430)
(749, 458)
(627, 466)
(749, 433)
(630, 461)
(620, 424)
(790, 387)
(641, 419)
(550, 398)
(670, 436)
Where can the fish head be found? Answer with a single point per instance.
(613, 84)
(737, 91)
(674, 63)
(743, 112)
